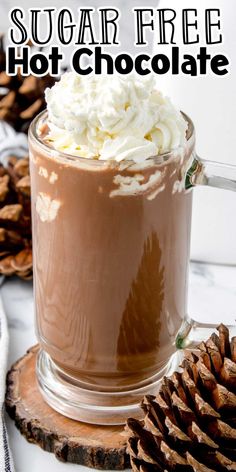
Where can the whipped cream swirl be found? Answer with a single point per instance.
(112, 118)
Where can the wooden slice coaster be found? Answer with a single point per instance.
(101, 447)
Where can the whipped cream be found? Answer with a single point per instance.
(112, 118)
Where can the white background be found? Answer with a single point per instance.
(211, 102)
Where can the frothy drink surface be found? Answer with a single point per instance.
(111, 250)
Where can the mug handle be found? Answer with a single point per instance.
(213, 174)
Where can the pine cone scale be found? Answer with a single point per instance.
(21, 98)
(15, 219)
(191, 424)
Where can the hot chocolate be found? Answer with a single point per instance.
(111, 249)
(110, 266)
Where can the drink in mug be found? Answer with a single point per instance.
(111, 238)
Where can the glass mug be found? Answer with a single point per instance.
(111, 246)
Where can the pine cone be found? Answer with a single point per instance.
(191, 424)
(21, 98)
(15, 219)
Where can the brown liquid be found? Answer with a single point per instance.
(110, 273)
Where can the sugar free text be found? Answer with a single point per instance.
(90, 53)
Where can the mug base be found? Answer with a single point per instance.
(73, 400)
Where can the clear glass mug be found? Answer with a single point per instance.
(111, 248)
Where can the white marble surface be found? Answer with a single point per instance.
(212, 298)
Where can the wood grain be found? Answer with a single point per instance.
(100, 447)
